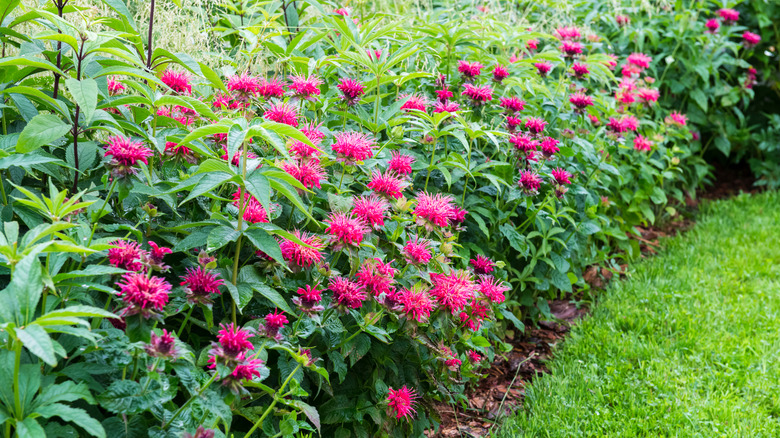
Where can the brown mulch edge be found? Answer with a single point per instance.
(502, 391)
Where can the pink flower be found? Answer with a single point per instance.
(244, 87)
(126, 255)
(115, 87)
(351, 90)
(640, 60)
(417, 304)
(550, 146)
(125, 154)
(344, 12)
(453, 291)
(353, 147)
(443, 95)
(580, 70)
(529, 182)
(492, 288)
(622, 20)
(305, 86)
(535, 125)
(478, 95)
(254, 212)
(309, 300)
(308, 172)
(200, 432)
(370, 209)
(647, 95)
(313, 133)
(299, 256)
(568, 33)
(729, 16)
(449, 107)
(570, 48)
(162, 346)
(400, 402)
(500, 73)
(512, 104)
(272, 88)
(474, 357)
(400, 164)
(417, 252)
(458, 215)
(594, 120)
(642, 144)
(523, 143)
(347, 293)
(199, 284)
(470, 69)
(281, 112)
(612, 63)
(273, 323)
(345, 229)
(143, 294)
(226, 102)
(750, 39)
(245, 370)
(512, 123)
(238, 155)
(625, 97)
(477, 312)
(387, 184)
(543, 68)
(450, 360)
(482, 264)
(561, 176)
(234, 341)
(623, 124)
(376, 276)
(532, 44)
(580, 101)
(415, 102)
(433, 209)
(712, 25)
(676, 119)
(173, 149)
(154, 258)
(177, 81)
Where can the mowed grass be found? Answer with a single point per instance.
(688, 346)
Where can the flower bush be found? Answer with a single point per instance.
(328, 244)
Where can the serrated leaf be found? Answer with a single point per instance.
(37, 341)
(42, 129)
(85, 93)
(77, 416)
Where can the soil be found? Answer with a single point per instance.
(502, 391)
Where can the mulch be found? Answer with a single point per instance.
(502, 391)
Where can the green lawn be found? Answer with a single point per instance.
(688, 346)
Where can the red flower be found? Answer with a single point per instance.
(433, 209)
(450, 360)
(347, 293)
(543, 68)
(387, 184)
(443, 95)
(529, 182)
(594, 120)
(352, 147)
(561, 176)
(458, 215)
(492, 289)
(351, 90)
(625, 123)
(449, 107)
(523, 142)
(400, 164)
(234, 341)
(640, 60)
(474, 357)
(115, 87)
(376, 276)
(272, 88)
(729, 16)
(199, 284)
(712, 25)
(478, 95)
(625, 97)
(281, 112)
(550, 146)
(125, 154)
(568, 33)
(371, 209)
(750, 39)
(470, 69)
(309, 300)
(482, 264)
(246, 369)
(415, 102)
(647, 95)
(417, 304)
(156, 255)
(174, 149)
(345, 229)
(143, 294)
(308, 172)
(477, 313)
(532, 44)
(500, 73)
(305, 86)
(177, 81)
(581, 101)
(535, 125)
(273, 323)
(243, 86)
(570, 48)
(453, 291)
(401, 402)
(580, 70)
(642, 144)
(512, 123)
(253, 210)
(512, 104)
(126, 255)
(417, 252)
(313, 133)
(300, 256)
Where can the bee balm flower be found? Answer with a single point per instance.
(400, 402)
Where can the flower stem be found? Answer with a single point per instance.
(273, 403)
(148, 378)
(184, 323)
(17, 389)
(433, 157)
(188, 402)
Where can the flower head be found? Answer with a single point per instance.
(568, 33)
(414, 102)
(474, 357)
(640, 60)
(177, 81)
(512, 123)
(143, 295)
(523, 143)
(642, 144)
(417, 252)
(500, 73)
(676, 119)
(281, 112)
(115, 87)
(162, 346)
(305, 86)
(451, 361)
(750, 39)
(345, 229)
(300, 256)
(453, 291)
(482, 264)
(309, 299)
(346, 293)
(154, 257)
(549, 146)
(433, 210)
(570, 48)
(580, 70)
(729, 16)
(371, 209)
(448, 107)
(243, 87)
(387, 184)
(400, 402)
(254, 212)
(512, 104)
(199, 284)
(315, 136)
(376, 276)
(126, 255)
(416, 303)
(712, 25)
(535, 125)
(492, 288)
(234, 341)
(308, 172)
(125, 154)
(470, 70)
(351, 90)
(352, 147)
(274, 322)
(647, 95)
(622, 20)
(529, 182)
(400, 163)
(561, 176)
(478, 95)
(580, 101)
(271, 88)
(543, 68)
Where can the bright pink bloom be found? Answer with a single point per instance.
(523, 143)
(272, 88)
(376, 276)
(177, 81)
(344, 12)
(125, 154)
(305, 86)
(750, 39)
(351, 90)
(400, 164)
(581, 101)
(640, 60)
(417, 304)
(532, 44)
(199, 284)
(451, 361)
(474, 357)
(443, 95)
(550, 146)
(470, 69)
(173, 149)
(642, 144)
(347, 293)
(300, 256)
(155, 257)
(647, 95)
(243, 86)
(281, 112)
(352, 147)
(274, 322)
(625, 97)
(625, 123)
(570, 48)
(712, 25)
(612, 63)
(415, 102)
(478, 95)
(568, 33)
(126, 255)
(500, 73)
(371, 209)
(254, 212)
(492, 288)
(247, 369)
(729, 16)
(387, 184)
(476, 313)
(345, 229)
(453, 291)
(622, 20)
(234, 341)
(543, 67)
(529, 182)
(482, 264)
(512, 123)
(313, 133)
(309, 299)
(676, 118)
(580, 70)
(162, 346)
(458, 215)
(512, 104)
(535, 125)
(115, 87)
(401, 402)
(417, 252)
(309, 172)
(433, 209)
(594, 120)
(561, 176)
(143, 294)
(449, 107)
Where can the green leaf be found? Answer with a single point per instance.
(516, 241)
(120, 8)
(29, 428)
(207, 184)
(221, 236)
(700, 98)
(658, 196)
(78, 416)
(188, 102)
(723, 144)
(125, 397)
(273, 296)
(20, 299)
(35, 339)
(27, 160)
(259, 186)
(85, 93)
(90, 271)
(42, 129)
(263, 241)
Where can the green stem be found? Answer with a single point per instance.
(239, 227)
(17, 390)
(273, 403)
(430, 166)
(100, 212)
(2, 186)
(343, 171)
(188, 402)
(184, 323)
(376, 105)
(148, 377)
